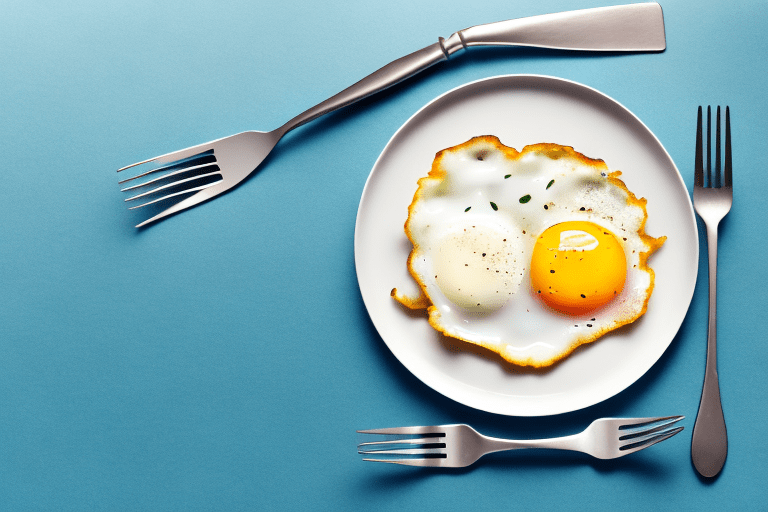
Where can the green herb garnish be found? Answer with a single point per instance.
(507, 176)
(493, 205)
(550, 184)
(468, 208)
(525, 198)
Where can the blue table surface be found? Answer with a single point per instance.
(223, 359)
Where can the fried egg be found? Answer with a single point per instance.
(528, 254)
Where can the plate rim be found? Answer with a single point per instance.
(690, 218)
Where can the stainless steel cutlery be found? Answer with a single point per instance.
(457, 446)
(712, 199)
(202, 172)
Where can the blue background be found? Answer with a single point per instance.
(223, 359)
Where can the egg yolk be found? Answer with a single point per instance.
(577, 267)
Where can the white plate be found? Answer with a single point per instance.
(521, 110)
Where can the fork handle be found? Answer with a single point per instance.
(495, 444)
(709, 445)
(389, 75)
(633, 27)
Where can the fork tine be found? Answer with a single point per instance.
(709, 147)
(649, 435)
(173, 164)
(172, 184)
(717, 151)
(699, 168)
(186, 191)
(657, 438)
(636, 434)
(638, 423)
(205, 192)
(406, 430)
(176, 156)
(636, 426)
(728, 163)
(164, 176)
(405, 451)
(423, 440)
(410, 462)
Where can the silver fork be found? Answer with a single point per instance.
(458, 446)
(209, 169)
(712, 198)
